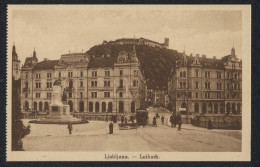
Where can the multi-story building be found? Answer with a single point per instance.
(206, 85)
(89, 83)
(16, 64)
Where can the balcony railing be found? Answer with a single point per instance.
(26, 90)
(121, 88)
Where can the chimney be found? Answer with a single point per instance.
(203, 56)
(214, 57)
(197, 55)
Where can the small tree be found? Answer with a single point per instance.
(19, 131)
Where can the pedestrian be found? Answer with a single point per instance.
(171, 120)
(125, 119)
(111, 128)
(112, 118)
(132, 118)
(210, 124)
(175, 120)
(122, 119)
(70, 127)
(179, 121)
(154, 120)
(162, 118)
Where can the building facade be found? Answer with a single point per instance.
(90, 84)
(200, 85)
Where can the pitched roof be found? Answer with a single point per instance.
(207, 62)
(99, 62)
(46, 65)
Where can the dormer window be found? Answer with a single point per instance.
(121, 60)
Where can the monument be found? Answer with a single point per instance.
(59, 113)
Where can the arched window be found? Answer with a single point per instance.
(183, 105)
(26, 106)
(71, 105)
(95, 83)
(81, 106)
(210, 107)
(92, 83)
(196, 108)
(103, 106)
(97, 107)
(234, 108)
(238, 108)
(46, 106)
(228, 108)
(110, 107)
(184, 74)
(90, 106)
(35, 106)
(204, 108)
(216, 108)
(121, 107)
(40, 106)
(222, 108)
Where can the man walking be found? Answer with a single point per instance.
(162, 118)
(172, 120)
(70, 127)
(179, 121)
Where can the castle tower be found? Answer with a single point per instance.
(184, 63)
(133, 58)
(166, 43)
(16, 64)
(233, 51)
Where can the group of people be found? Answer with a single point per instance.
(156, 117)
(124, 119)
(176, 119)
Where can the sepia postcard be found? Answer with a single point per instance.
(128, 83)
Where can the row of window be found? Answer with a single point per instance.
(70, 74)
(207, 95)
(93, 94)
(235, 86)
(207, 74)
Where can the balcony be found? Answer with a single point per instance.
(26, 90)
(134, 88)
(121, 88)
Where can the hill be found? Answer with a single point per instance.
(156, 62)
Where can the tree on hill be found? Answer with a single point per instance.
(156, 62)
(19, 131)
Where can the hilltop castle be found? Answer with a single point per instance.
(140, 41)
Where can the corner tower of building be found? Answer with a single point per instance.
(16, 64)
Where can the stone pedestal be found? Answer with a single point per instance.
(59, 113)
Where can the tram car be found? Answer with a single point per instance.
(142, 117)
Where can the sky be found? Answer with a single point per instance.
(55, 32)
